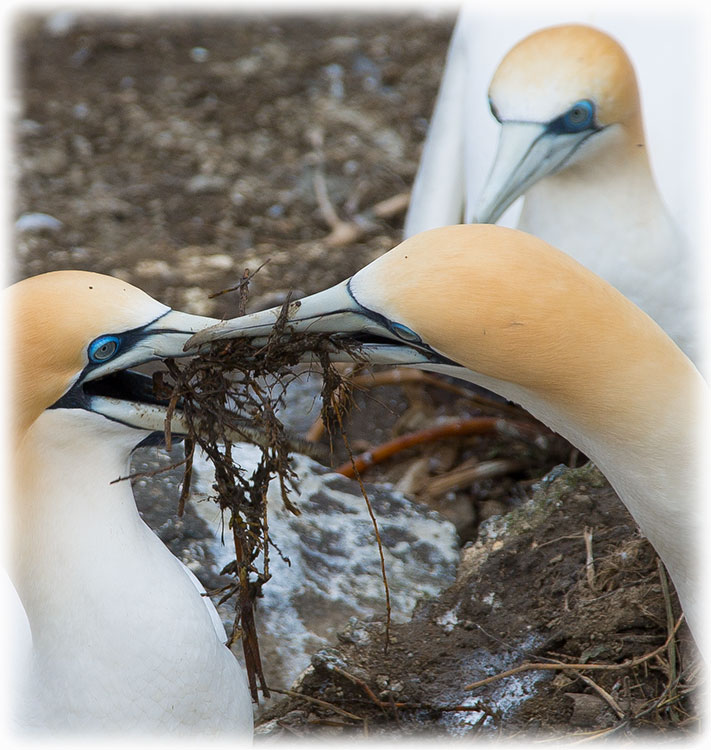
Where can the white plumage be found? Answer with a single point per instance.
(122, 641)
(602, 207)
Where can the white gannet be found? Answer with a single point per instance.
(505, 310)
(572, 141)
(122, 639)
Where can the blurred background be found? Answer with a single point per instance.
(175, 152)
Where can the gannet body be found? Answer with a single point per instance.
(122, 639)
(506, 311)
(571, 140)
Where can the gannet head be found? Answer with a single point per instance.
(494, 306)
(561, 95)
(74, 336)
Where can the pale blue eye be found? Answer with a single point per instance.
(579, 116)
(405, 333)
(103, 348)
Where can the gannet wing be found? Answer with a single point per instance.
(438, 192)
(19, 638)
(212, 611)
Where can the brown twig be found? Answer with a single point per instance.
(360, 683)
(589, 559)
(374, 521)
(242, 287)
(670, 624)
(248, 630)
(611, 702)
(391, 704)
(528, 666)
(454, 428)
(345, 232)
(318, 702)
(340, 395)
(148, 474)
(402, 705)
(189, 447)
(465, 475)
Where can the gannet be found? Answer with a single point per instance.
(507, 311)
(122, 639)
(572, 142)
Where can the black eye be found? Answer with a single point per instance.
(103, 348)
(579, 116)
(405, 333)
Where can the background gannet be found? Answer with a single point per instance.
(506, 311)
(572, 141)
(122, 639)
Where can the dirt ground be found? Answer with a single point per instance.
(174, 153)
(524, 595)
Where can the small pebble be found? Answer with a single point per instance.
(60, 22)
(80, 111)
(196, 301)
(79, 253)
(202, 184)
(38, 222)
(334, 75)
(199, 54)
(30, 127)
(151, 268)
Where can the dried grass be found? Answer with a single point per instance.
(233, 390)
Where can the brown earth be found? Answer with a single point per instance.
(176, 152)
(526, 592)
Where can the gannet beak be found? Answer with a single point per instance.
(122, 395)
(164, 337)
(527, 152)
(126, 396)
(337, 312)
(334, 309)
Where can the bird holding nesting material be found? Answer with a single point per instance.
(572, 142)
(122, 639)
(505, 310)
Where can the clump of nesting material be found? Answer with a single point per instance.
(230, 392)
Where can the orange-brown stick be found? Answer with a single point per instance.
(456, 428)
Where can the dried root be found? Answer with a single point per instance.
(230, 393)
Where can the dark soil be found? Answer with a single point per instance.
(524, 594)
(177, 151)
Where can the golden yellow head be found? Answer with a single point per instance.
(550, 70)
(511, 307)
(53, 319)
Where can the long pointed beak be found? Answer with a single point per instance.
(164, 337)
(337, 312)
(334, 310)
(127, 397)
(168, 334)
(527, 153)
(152, 418)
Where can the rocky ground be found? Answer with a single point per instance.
(175, 152)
